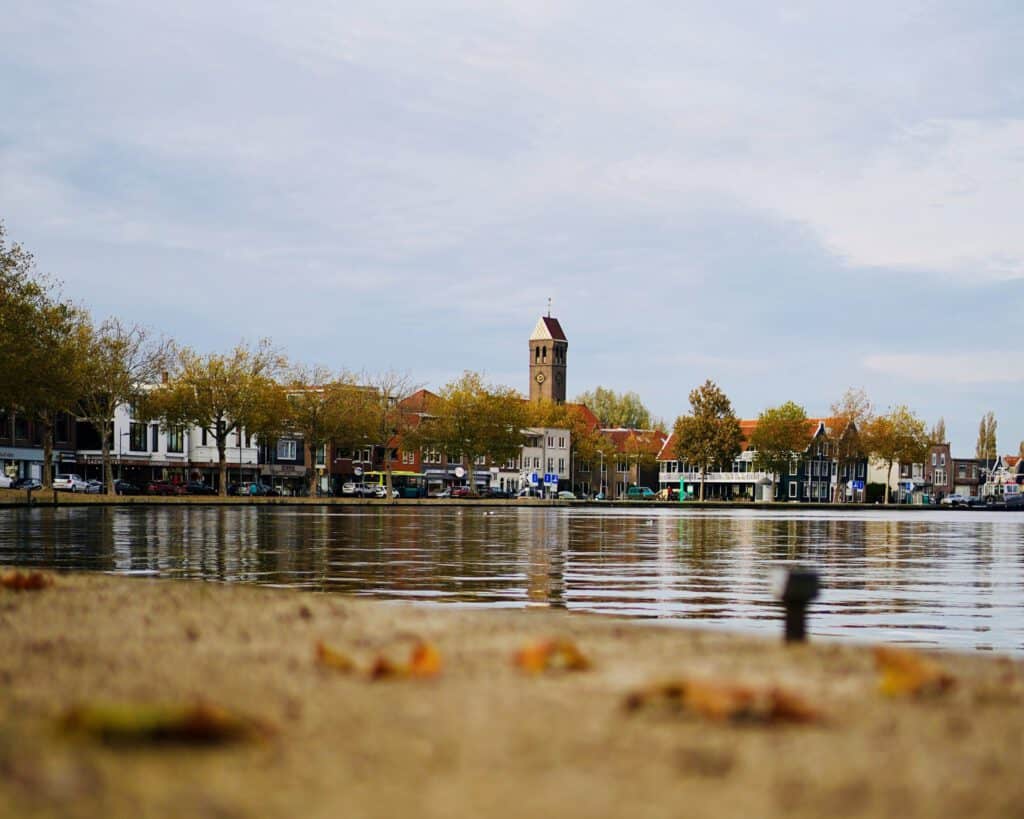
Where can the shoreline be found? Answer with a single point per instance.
(15, 499)
(483, 736)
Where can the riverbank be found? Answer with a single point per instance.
(10, 498)
(482, 737)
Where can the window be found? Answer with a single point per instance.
(561, 442)
(154, 438)
(536, 462)
(286, 449)
(175, 440)
(935, 459)
(321, 455)
(942, 459)
(551, 440)
(621, 466)
(551, 465)
(792, 489)
(561, 465)
(137, 437)
(480, 460)
(583, 466)
(408, 457)
(794, 466)
(204, 437)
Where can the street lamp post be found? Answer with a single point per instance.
(120, 466)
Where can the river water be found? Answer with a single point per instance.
(952, 580)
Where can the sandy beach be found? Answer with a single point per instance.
(481, 738)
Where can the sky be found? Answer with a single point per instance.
(788, 198)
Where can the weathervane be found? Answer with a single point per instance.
(549, 306)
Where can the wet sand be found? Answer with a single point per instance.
(481, 739)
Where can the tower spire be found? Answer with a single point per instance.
(549, 306)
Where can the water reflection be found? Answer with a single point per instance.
(948, 579)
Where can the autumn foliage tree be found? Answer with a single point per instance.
(221, 394)
(781, 435)
(323, 406)
(614, 409)
(474, 419)
(710, 435)
(119, 363)
(899, 436)
(850, 416)
(986, 449)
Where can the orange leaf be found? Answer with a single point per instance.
(25, 581)
(425, 660)
(906, 673)
(551, 655)
(727, 702)
(331, 658)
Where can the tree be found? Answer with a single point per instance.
(781, 434)
(899, 436)
(474, 419)
(119, 363)
(391, 424)
(613, 409)
(986, 447)
(710, 435)
(850, 416)
(222, 394)
(937, 435)
(323, 407)
(589, 444)
(42, 338)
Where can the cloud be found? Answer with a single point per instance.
(982, 367)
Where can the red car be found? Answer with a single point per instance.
(165, 488)
(461, 492)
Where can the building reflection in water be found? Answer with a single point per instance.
(949, 579)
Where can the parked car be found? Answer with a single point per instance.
(1015, 501)
(348, 488)
(975, 500)
(66, 482)
(528, 492)
(5, 482)
(199, 488)
(956, 499)
(94, 487)
(27, 484)
(640, 493)
(443, 493)
(494, 492)
(462, 492)
(126, 488)
(164, 488)
(565, 494)
(262, 490)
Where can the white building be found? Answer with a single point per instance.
(546, 451)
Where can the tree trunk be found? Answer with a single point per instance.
(703, 475)
(47, 453)
(314, 476)
(388, 483)
(108, 466)
(222, 466)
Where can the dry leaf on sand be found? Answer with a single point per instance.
(727, 702)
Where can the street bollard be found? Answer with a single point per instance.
(795, 588)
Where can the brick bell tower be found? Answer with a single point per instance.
(548, 347)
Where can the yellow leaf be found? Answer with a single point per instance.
(331, 658)
(906, 673)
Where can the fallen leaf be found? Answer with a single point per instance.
(727, 702)
(551, 655)
(907, 673)
(25, 581)
(424, 661)
(327, 656)
(197, 724)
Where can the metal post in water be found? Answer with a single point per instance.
(795, 588)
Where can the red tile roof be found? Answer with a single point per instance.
(650, 441)
(554, 328)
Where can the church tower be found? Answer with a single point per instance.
(548, 347)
